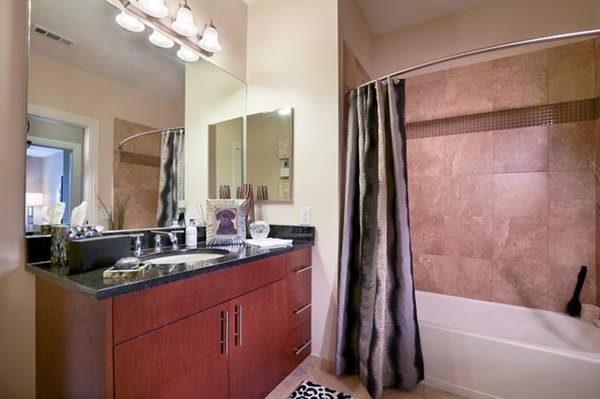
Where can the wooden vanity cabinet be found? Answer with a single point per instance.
(224, 334)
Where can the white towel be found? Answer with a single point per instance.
(270, 242)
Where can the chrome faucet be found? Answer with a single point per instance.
(172, 236)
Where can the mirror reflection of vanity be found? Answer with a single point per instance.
(110, 93)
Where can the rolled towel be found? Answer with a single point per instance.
(270, 242)
(590, 312)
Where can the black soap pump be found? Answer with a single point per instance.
(574, 306)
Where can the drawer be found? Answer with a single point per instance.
(299, 307)
(298, 347)
(299, 268)
(139, 312)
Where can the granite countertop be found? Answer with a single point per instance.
(92, 283)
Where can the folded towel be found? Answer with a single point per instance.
(270, 242)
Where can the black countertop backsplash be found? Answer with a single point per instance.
(93, 283)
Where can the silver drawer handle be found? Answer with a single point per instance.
(302, 269)
(239, 325)
(305, 345)
(302, 308)
(225, 332)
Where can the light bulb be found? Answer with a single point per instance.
(210, 39)
(160, 40)
(187, 55)
(154, 8)
(128, 22)
(184, 23)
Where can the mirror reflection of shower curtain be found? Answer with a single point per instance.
(172, 174)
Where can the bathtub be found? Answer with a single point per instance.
(480, 349)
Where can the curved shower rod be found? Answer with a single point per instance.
(135, 136)
(562, 36)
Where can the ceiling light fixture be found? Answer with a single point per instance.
(160, 40)
(167, 30)
(130, 23)
(184, 23)
(187, 54)
(210, 38)
(154, 8)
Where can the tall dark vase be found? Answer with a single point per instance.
(249, 205)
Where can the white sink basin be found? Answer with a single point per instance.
(185, 258)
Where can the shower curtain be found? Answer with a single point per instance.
(378, 334)
(172, 174)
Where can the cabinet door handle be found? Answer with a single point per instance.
(302, 269)
(224, 332)
(304, 345)
(301, 309)
(239, 325)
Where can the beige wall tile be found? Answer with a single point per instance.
(427, 234)
(520, 86)
(571, 77)
(469, 94)
(522, 241)
(572, 145)
(562, 283)
(468, 195)
(521, 195)
(521, 284)
(425, 157)
(521, 150)
(429, 272)
(425, 101)
(571, 195)
(469, 278)
(468, 154)
(469, 237)
(569, 242)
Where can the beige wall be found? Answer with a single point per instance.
(293, 60)
(497, 22)
(17, 344)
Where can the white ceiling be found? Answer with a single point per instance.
(105, 49)
(385, 16)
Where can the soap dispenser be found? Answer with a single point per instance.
(191, 235)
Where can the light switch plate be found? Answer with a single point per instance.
(304, 216)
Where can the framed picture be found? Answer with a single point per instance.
(225, 222)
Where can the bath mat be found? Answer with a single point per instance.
(310, 390)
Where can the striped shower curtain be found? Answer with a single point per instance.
(172, 174)
(378, 334)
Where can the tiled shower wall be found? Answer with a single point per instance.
(136, 173)
(505, 215)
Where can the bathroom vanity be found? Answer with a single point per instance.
(231, 327)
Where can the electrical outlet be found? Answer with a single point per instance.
(304, 216)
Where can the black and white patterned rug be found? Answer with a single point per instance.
(310, 390)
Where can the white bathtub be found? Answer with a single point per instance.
(480, 349)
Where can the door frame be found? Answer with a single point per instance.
(90, 151)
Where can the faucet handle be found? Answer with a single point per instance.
(157, 243)
(137, 245)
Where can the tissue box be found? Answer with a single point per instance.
(94, 253)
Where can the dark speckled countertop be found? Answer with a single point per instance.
(92, 283)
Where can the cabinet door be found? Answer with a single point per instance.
(185, 359)
(256, 363)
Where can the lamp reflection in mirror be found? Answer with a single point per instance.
(181, 28)
(154, 8)
(129, 23)
(160, 40)
(31, 200)
(187, 54)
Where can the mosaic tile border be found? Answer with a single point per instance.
(540, 115)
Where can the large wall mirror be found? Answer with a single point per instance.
(87, 73)
(260, 154)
